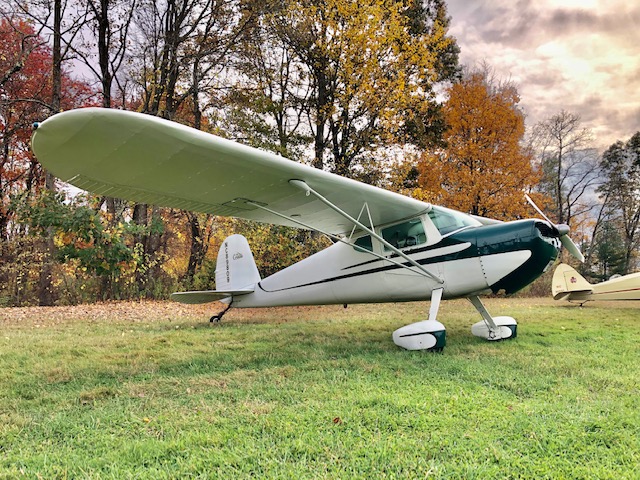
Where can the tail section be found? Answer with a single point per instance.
(567, 281)
(236, 274)
(235, 267)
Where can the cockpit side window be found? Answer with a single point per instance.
(447, 221)
(405, 235)
(363, 243)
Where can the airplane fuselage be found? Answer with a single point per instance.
(473, 260)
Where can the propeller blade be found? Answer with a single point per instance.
(537, 209)
(563, 231)
(571, 247)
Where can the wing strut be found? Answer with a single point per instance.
(335, 237)
(365, 206)
(308, 190)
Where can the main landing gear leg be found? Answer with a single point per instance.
(427, 334)
(217, 317)
(493, 328)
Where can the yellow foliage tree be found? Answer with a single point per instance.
(484, 169)
(371, 68)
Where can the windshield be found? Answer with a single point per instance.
(447, 221)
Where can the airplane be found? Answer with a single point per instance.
(388, 247)
(568, 284)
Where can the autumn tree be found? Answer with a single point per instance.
(569, 166)
(484, 168)
(163, 30)
(182, 50)
(34, 85)
(104, 43)
(621, 190)
(267, 106)
(25, 98)
(366, 70)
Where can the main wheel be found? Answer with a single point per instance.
(425, 335)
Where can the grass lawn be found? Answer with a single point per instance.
(151, 390)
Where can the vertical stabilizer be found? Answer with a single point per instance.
(235, 267)
(566, 280)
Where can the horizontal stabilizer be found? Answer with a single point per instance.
(207, 296)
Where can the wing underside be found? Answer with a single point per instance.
(150, 160)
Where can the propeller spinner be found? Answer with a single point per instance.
(562, 230)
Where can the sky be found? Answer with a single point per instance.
(582, 56)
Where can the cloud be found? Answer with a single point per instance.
(577, 55)
(618, 24)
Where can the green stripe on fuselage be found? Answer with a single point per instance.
(485, 241)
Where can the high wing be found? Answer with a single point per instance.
(151, 160)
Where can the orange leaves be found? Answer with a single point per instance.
(484, 169)
(66, 238)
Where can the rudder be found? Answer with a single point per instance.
(567, 280)
(235, 267)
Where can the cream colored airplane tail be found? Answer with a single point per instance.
(566, 280)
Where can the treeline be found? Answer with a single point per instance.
(350, 87)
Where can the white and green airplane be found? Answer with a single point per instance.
(388, 247)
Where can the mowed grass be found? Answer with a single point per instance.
(318, 392)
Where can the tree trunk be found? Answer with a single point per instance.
(45, 280)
